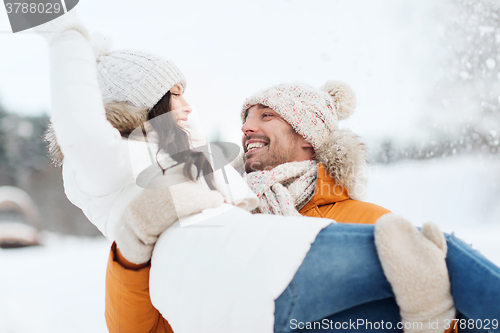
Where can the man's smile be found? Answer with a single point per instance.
(252, 146)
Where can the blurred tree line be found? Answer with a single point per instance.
(466, 94)
(24, 164)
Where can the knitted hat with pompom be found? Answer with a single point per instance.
(131, 76)
(312, 113)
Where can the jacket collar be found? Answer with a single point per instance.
(343, 156)
(327, 191)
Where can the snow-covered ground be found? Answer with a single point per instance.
(55, 288)
(59, 287)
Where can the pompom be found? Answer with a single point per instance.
(343, 97)
(101, 45)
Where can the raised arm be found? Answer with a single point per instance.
(93, 148)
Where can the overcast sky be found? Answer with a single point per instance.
(386, 50)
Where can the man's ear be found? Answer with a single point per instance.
(305, 144)
(307, 150)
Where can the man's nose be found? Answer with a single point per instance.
(249, 127)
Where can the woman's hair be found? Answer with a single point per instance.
(175, 141)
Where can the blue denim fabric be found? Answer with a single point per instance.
(368, 316)
(384, 311)
(341, 278)
(475, 281)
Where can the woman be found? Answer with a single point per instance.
(101, 172)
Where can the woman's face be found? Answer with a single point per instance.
(180, 108)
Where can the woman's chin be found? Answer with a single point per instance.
(182, 123)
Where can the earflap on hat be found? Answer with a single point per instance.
(343, 97)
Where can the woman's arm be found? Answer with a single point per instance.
(93, 148)
(128, 305)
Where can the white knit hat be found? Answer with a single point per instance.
(139, 78)
(313, 113)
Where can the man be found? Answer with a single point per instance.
(298, 162)
(291, 133)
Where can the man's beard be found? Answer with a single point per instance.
(278, 152)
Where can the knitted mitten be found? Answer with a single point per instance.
(154, 210)
(414, 263)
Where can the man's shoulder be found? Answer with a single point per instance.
(353, 211)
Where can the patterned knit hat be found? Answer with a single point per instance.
(139, 78)
(312, 113)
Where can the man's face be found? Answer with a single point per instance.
(268, 141)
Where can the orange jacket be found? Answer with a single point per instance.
(128, 306)
(332, 201)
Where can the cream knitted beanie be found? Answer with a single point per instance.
(139, 78)
(313, 113)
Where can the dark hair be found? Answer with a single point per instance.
(175, 141)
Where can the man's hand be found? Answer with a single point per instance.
(414, 263)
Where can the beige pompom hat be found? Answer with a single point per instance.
(315, 114)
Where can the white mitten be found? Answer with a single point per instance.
(68, 21)
(154, 210)
(414, 263)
